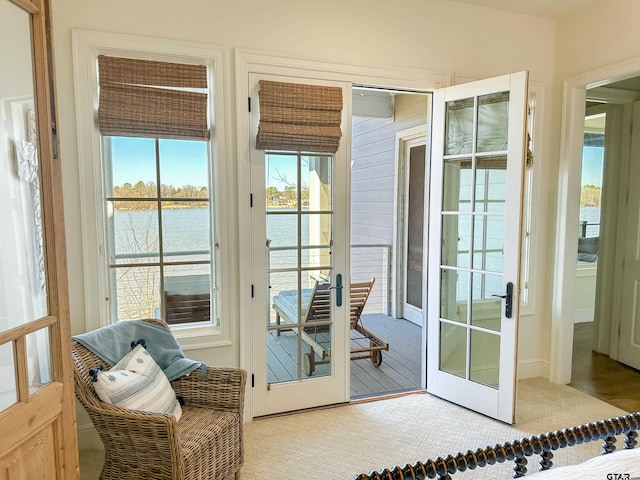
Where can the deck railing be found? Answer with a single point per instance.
(374, 260)
(367, 260)
(589, 229)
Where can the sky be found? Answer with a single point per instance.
(592, 164)
(183, 162)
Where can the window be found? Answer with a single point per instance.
(159, 235)
(150, 116)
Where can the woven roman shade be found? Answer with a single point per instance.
(299, 117)
(143, 98)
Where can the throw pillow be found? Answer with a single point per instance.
(138, 383)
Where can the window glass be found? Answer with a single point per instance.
(159, 227)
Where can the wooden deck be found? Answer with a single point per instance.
(400, 369)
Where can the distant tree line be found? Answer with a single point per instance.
(590, 196)
(149, 190)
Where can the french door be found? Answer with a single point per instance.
(299, 271)
(629, 340)
(478, 157)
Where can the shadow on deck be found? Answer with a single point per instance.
(399, 371)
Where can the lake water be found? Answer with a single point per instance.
(185, 235)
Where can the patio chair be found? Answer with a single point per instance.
(205, 443)
(186, 308)
(316, 305)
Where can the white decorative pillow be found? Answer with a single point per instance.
(138, 383)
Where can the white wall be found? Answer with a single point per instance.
(427, 34)
(594, 46)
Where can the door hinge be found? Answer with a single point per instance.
(251, 200)
(249, 104)
(251, 290)
(253, 380)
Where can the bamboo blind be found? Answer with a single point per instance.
(299, 117)
(143, 98)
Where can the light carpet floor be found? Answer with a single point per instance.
(339, 443)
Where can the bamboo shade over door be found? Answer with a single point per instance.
(299, 244)
(474, 243)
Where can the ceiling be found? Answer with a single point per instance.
(540, 8)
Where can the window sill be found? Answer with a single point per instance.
(191, 338)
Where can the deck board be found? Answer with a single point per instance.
(400, 369)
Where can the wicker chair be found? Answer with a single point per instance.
(205, 444)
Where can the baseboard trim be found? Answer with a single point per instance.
(537, 368)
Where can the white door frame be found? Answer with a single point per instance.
(567, 212)
(247, 61)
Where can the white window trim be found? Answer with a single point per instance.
(87, 45)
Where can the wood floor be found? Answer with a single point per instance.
(600, 376)
(399, 371)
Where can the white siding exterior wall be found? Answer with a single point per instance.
(373, 190)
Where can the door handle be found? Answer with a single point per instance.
(338, 289)
(508, 304)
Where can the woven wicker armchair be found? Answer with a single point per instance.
(205, 444)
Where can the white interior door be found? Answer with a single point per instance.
(299, 269)
(629, 343)
(479, 132)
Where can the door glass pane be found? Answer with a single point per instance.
(456, 192)
(315, 178)
(485, 358)
(298, 326)
(486, 310)
(299, 313)
(315, 240)
(456, 240)
(491, 184)
(454, 295)
(453, 349)
(493, 122)
(282, 342)
(488, 242)
(281, 181)
(38, 359)
(282, 237)
(459, 127)
(8, 389)
(23, 279)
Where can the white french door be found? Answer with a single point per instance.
(629, 338)
(299, 271)
(478, 157)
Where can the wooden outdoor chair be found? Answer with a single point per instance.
(205, 443)
(183, 308)
(316, 304)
